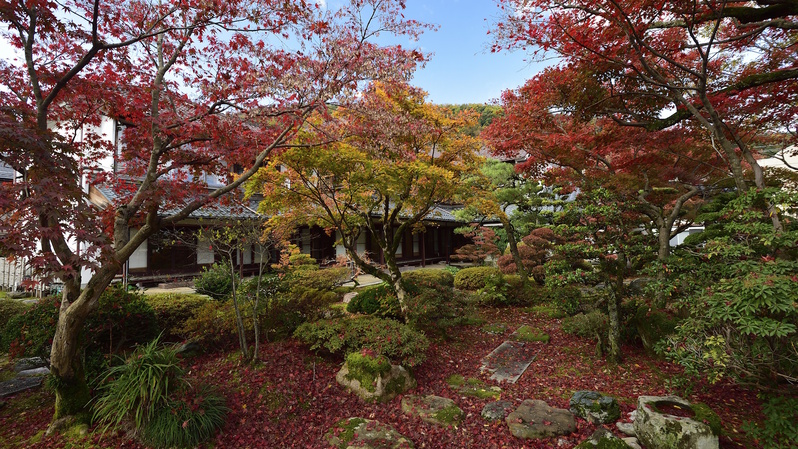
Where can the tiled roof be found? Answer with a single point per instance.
(236, 210)
(6, 172)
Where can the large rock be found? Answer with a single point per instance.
(19, 384)
(30, 363)
(43, 371)
(603, 439)
(658, 430)
(595, 407)
(381, 388)
(536, 419)
(627, 428)
(363, 433)
(433, 409)
(496, 411)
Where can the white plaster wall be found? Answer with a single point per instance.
(204, 252)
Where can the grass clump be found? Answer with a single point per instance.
(494, 328)
(456, 380)
(149, 391)
(448, 416)
(528, 333)
(185, 422)
(546, 310)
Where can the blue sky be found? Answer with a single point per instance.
(462, 69)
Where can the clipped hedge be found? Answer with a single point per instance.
(374, 300)
(475, 278)
(10, 308)
(390, 338)
(122, 320)
(173, 310)
(326, 279)
(427, 277)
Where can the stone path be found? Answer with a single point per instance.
(19, 384)
(509, 361)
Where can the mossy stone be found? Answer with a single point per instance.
(705, 414)
(603, 439)
(433, 409)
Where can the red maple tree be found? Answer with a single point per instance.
(200, 86)
(727, 68)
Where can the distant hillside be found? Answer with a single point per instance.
(486, 113)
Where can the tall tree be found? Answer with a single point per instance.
(659, 173)
(595, 227)
(727, 67)
(401, 158)
(501, 193)
(202, 86)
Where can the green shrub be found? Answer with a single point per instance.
(174, 309)
(653, 325)
(326, 279)
(122, 320)
(517, 294)
(475, 278)
(9, 308)
(594, 325)
(435, 308)
(216, 281)
(586, 325)
(31, 333)
(386, 337)
(282, 313)
(279, 312)
(186, 421)
(451, 270)
(375, 300)
(214, 322)
(780, 428)
(137, 388)
(567, 298)
(301, 261)
(427, 277)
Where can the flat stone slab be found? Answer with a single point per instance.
(19, 384)
(43, 371)
(535, 419)
(509, 361)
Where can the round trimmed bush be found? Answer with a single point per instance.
(375, 300)
(427, 277)
(174, 309)
(475, 278)
(386, 337)
(216, 281)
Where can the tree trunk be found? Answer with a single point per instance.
(66, 365)
(614, 312)
(664, 240)
(255, 319)
(513, 244)
(242, 337)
